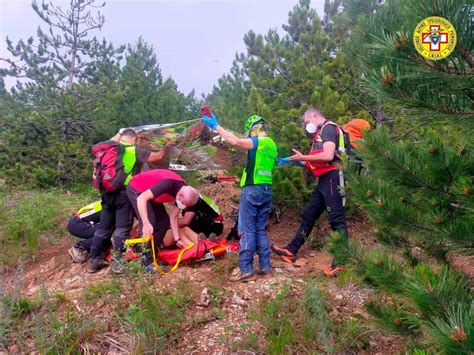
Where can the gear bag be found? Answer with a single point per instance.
(355, 130)
(109, 173)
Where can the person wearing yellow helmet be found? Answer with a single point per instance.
(256, 197)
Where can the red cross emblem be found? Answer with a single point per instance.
(435, 38)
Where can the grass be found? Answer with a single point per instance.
(93, 293)
(157, 318)
(223, 267)
(352, 334)
(64, 336)
(19, 307)
(28, 215)
(294, 323)
(33, 324)
(216, 294)
(301, 323)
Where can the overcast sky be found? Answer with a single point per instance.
(195, 40)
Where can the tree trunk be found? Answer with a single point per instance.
(75, 26)
(379, 113)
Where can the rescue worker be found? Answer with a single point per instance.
(117, 212)
(204, 217)
(323, 162)
(83, 224)
(256, 197)
(148, 191)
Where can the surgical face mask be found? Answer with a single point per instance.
(180, 205)
(310, 128)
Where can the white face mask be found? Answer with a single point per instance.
(310, 128)
(180, 205)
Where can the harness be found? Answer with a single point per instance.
(340, 146)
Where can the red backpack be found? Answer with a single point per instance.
(109, 173)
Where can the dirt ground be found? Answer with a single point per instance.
(53, 271)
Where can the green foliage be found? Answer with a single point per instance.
(157, 318)
(455, 335)
(338, 247)
(27, 216)
(394, 318)
(36, 326)
(418, 191)
(352, 334)
(435, 294)
(384, 272)
(434, 304)
(78, 94)
(289, 186)
(216, 294)
(64, 336)
(275, 318)
(431, 90)
(316, 319)
(17, 307)
(291, 322)
(279, 77)
(250, 341)
(93, 293)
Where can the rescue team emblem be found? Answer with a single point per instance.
(434, 38)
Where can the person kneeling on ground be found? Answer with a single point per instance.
(256, 197)
(148, 191)
(83, 224)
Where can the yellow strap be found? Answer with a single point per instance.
(137, 240)
(155, 264)
(175, 266)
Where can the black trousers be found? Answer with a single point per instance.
(81, 228)
(206, 226)
(157, 216)
(117, 214)
(326, 196)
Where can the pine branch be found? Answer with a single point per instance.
(467, 55)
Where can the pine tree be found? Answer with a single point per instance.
(230, 96)
(419, 190)
(279, 77)
(140, 79)
(65, 54)
(77, 94)
(431, 90)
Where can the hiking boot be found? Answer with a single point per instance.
(333, 270)
(284, 253)
(77, 255)
(94, 265)
(213, 237)
(244, 277)
(264, 273)
(118, 267)
(238, 276)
